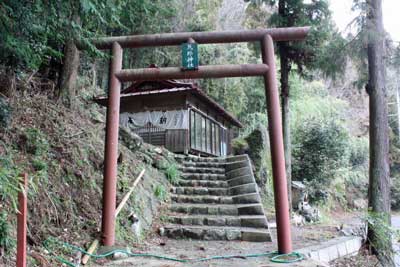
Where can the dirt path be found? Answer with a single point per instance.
(185, 249)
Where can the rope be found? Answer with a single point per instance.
(273, 256)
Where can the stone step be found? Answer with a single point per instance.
(238, 172)
(217, 233)
(204, 164)
(189, 190)
(229, 166)
(217, 209)
(203, 183)
(240, 180)
(205, 199)
(206, 209)
(182, 158)
(237, 158)
(207, 170)
(203, 176)
(256, 221)
(246, 198)
(250, 209)
(243, 189)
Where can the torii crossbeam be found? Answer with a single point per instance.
(267, 70)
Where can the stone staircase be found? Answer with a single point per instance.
(216, 199)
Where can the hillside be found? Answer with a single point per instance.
(62, 151)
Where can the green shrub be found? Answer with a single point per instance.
(39, 165)
(6, 241)
(9, 182)
(239, 146)
(5, 113)
(321, 148)
(160, 192)
(172, 173)
(359, 151)
(36, 142)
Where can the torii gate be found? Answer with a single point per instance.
(267, 70)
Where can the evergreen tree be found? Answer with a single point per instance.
(379, 179)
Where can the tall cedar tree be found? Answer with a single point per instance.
(379, 180)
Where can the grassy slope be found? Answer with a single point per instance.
(62, 150)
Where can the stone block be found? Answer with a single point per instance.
(243, 189)
(254, 222)
(175, 232)
(199, 210)
(213, 210)
(236, 165)
(239, 172)
(227, 200)
(218, 221)
(188, 191)
(324, 254)
(179, 190)
(186, 220)
(247, 198)
(233, 221)
(200, 191)
(233, 234)
(228, 211)
(193, 233)
(198, 220)
(240, 180)
(256, 236)
(342, 250)
(333, 253)
(215, 234)
(255, 209)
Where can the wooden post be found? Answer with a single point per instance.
(22, 222)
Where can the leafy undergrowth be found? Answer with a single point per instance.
(363, 259)
(62, 151)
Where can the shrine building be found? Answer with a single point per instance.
(177, 115)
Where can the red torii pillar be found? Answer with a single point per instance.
(111, 149)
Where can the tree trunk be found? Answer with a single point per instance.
(69, 70)
(379, 236)
(285, 71)
(69, 73)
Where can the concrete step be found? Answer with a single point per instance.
(203, 183)
(256, 221)
(203, 176)
(217, 233)
(204, 199)
(189, 190)
(207, 170)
